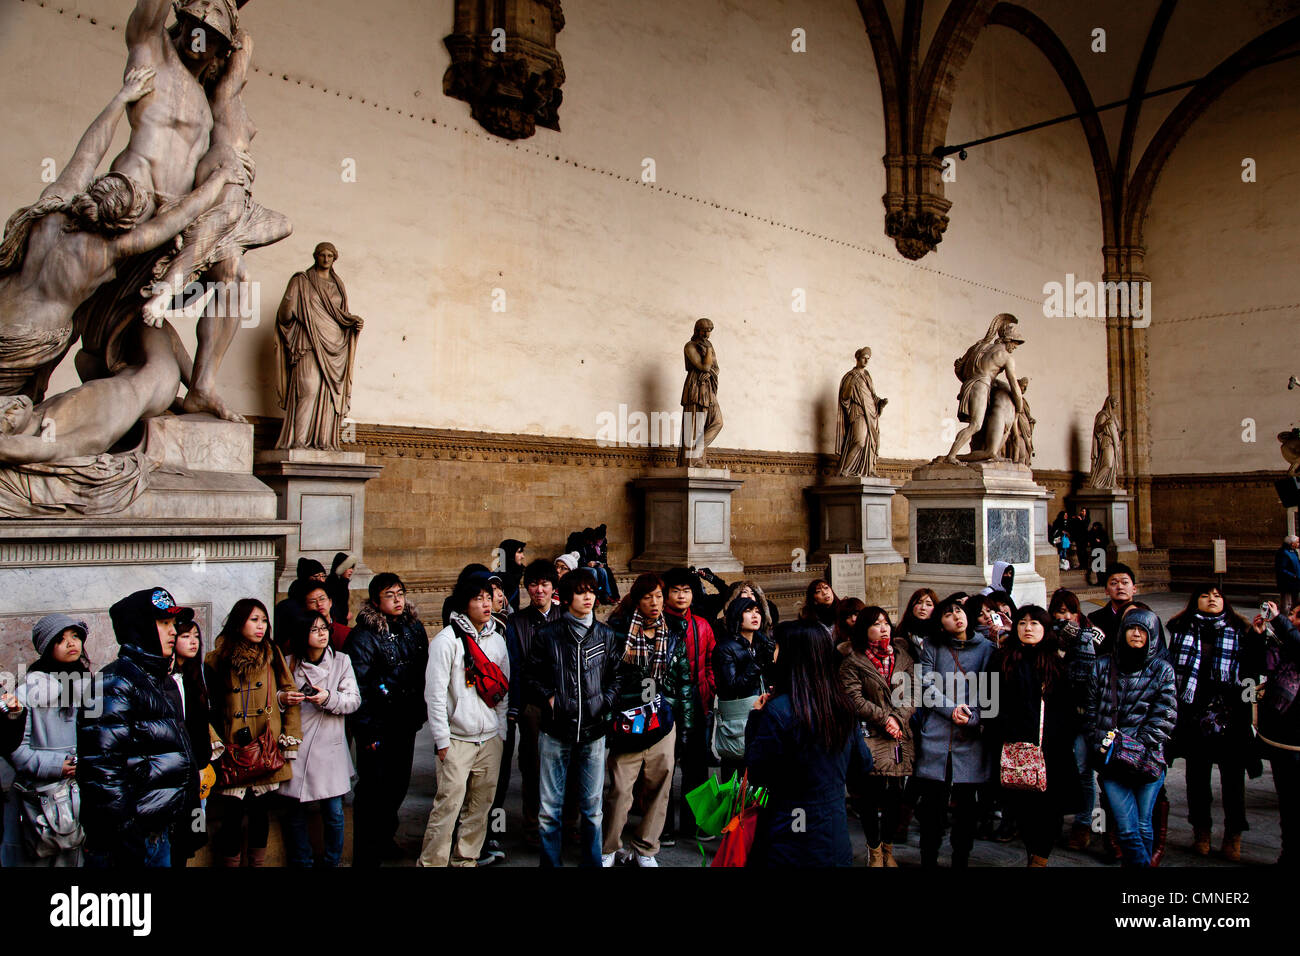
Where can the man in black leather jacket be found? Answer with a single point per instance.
(571, 676)
(389, 650)
(134, 768)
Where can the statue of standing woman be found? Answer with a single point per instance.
(857, 436)
(317, 340)
(701, 413)
(1106, 438)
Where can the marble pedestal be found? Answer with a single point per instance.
(1110, 506)
(206, 529)
(964, 518)
(324, 494)
(855, 515)
(686, 515)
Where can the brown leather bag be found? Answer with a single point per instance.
(242, 763)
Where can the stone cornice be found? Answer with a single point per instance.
(1240, 479)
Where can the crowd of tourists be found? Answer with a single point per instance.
(969, 717)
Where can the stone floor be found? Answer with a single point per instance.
(1259, 846)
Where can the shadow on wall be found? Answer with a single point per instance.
(823, 421)
(1078, 461)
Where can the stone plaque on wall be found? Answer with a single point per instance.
(326, 523)
(849, 576)
(945, 535)
(1008, 535)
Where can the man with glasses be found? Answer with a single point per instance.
(389, 651)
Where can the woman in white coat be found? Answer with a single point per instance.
(323, 772)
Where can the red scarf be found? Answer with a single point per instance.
(881, 656)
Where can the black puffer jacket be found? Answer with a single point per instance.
(134, 764)
(1148, 706)
(582, 676)
(388, 658)
(1080, 643)
(738, 665)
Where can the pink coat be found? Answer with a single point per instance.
(324, 766)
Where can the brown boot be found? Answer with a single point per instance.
(1200, 841)
(233, 861)
(887, 852)
(876, 856)
(1114, 851)
(257, 857)
(1232, 847)
(1080, 835)
(1037, 860)
(1159, 829)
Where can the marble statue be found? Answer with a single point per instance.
(1020, 443)
(987, 405)
(316, 337)
(1106, 439)
(857, 433)
(81, 261)
(701, 413)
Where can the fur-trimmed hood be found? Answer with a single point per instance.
(373, 619)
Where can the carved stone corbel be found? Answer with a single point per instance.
(916, 212)
(511, 77)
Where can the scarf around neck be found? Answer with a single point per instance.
(647, 649)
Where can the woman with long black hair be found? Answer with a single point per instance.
(186, 839)
(251, 692)
(1206, 644)
(741, 658)
(803, 744)
(820, 604)
(1037, 706)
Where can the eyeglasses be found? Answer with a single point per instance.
(319, 629)
(393, 594)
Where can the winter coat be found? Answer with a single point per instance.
(134, 763)
(455, 708)
(324, 766)
(676, 686)
(805, 823)
(700, 644)
(1236, 743)
(520, 628)
(1286, 567)
(579, 672)
(738, 665)
(389, 656)
(1080, 643)
(1017, 721)
(948, 674)
(230, 692)
(1148, 706)
(1279, 716)
(873, 700)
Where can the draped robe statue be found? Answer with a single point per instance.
(857, 433)
(317, 341)
(1106, 438)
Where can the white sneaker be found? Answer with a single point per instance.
(646, 860)
(608, 859)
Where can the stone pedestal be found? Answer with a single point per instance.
(686, 515)
(1046, 558)
(324, 494)
(205, 529)
(856, 515)
(1110, 506)
(964, 518)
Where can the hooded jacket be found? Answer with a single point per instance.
(455, 708)
(389, 655)
(1001, 569)
(950, 673)
(336, 586)
(134, 765)
(511, 571)
(1144, 706)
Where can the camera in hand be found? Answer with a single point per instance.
(308, 691)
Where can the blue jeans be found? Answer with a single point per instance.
(1132, 807)
(299, 841)
(1087, 785)
(557, 759)
(602, 579)
(157, 853)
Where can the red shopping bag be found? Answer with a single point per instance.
(738, 835)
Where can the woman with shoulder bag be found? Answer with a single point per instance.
(1037, 708)
(42, 826)
(1130, 714)
(255, 715)
(740, 660)
(323, 772)
(876, 675)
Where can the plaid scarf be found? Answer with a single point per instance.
(1186, 651)
(651, 658)
(882, 657)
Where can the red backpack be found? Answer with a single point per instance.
(481, 672)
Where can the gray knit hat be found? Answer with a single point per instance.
(48, 629)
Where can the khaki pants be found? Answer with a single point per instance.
(624, 768)
(467, 781)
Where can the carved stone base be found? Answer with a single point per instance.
(205, 529)
(964, 518)
(686, 515)
(1110, 506)
(324, 494)
(854, 514)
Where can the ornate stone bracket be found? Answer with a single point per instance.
(510, 78)
(916, 212)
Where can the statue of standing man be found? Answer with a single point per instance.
(857, 435)
(701, 413)
(1106, 438)
(987, 406)
(317, 341)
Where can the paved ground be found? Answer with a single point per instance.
(1259, 846)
